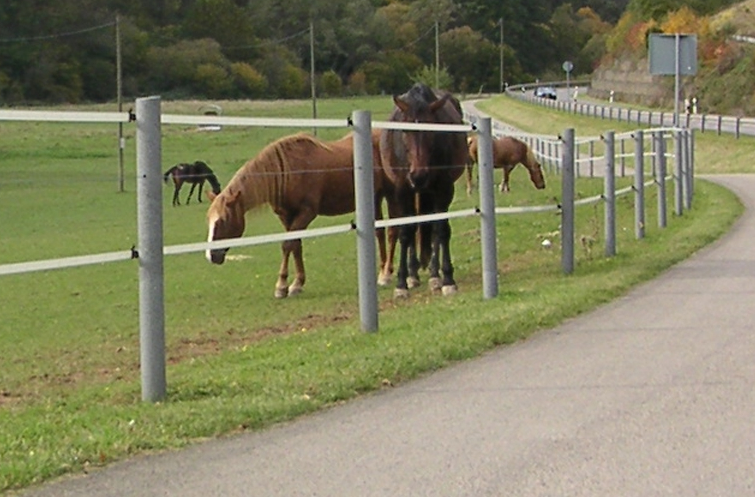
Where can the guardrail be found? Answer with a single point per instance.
(715, 123)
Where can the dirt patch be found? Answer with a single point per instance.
(187, 348)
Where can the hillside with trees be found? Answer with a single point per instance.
(725, 82)
(56, 51)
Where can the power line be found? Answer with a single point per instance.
(269, 42)
(59, 35)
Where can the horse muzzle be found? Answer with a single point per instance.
(418, 180)
(216, 256)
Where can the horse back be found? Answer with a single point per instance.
(321, 176)
(509, 151)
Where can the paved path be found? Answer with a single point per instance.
(651, 395)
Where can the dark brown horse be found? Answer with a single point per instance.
(507, 153)
(195, 174)
(421, 168)
(300, 177)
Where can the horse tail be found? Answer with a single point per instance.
(167, 174)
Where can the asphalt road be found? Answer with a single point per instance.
(650, 395)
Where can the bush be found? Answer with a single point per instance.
(248, 80)
(212, 81)
(357, 83)
(293, 82)
(331, 84)
(426, 75)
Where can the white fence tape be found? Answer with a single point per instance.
(252, 121)
(256, 240)
(65, 262)
(64, 116)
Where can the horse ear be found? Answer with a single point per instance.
(403, 106)
(210, 195)
(440, 102)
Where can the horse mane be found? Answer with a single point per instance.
(263, 179)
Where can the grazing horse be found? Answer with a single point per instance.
(420, 169)
(507, 153)
(300, 177)
(196, 174)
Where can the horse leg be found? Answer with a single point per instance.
(444, 235)
(298, 285)
(281, 286)
(384, 276)
(442, 240)
(468, 170)
(505, 182)
(412, 263)
(406, 236)
(296, 222)
(386, 273)
(191, 190)
(434, 281)
(176, 190)
(199, 192)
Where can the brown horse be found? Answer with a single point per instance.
(420, 170)
(507, 153)
(195, 174)
(300, 177)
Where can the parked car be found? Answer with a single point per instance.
(545, 92)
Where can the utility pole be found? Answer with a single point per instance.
(312, 71)
(437, 57)
(119, 90)
(500, 75)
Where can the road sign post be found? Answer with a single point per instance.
(673, 54)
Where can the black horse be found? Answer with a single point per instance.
(196, 174)
(422, 167)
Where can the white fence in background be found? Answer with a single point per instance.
(558, 153)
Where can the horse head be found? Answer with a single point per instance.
(225, 219)
(415, 106)
(536, 171)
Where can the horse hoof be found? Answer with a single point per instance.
(281, 293)
(294, 290)
(401, 293)
(449, 290)
(435, 284)
(413, 282)
(384, 280)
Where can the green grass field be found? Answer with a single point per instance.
(238, 359)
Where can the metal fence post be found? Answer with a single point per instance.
(639, 185)
(364, 190)
(609, 195)
(660, 152)
(687, 178)
(622, 158)
(567, 202)
(150, 234)
(692, 164)
(678, 173)
(487, 211)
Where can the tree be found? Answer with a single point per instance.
(472, 60)
(222, 21)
